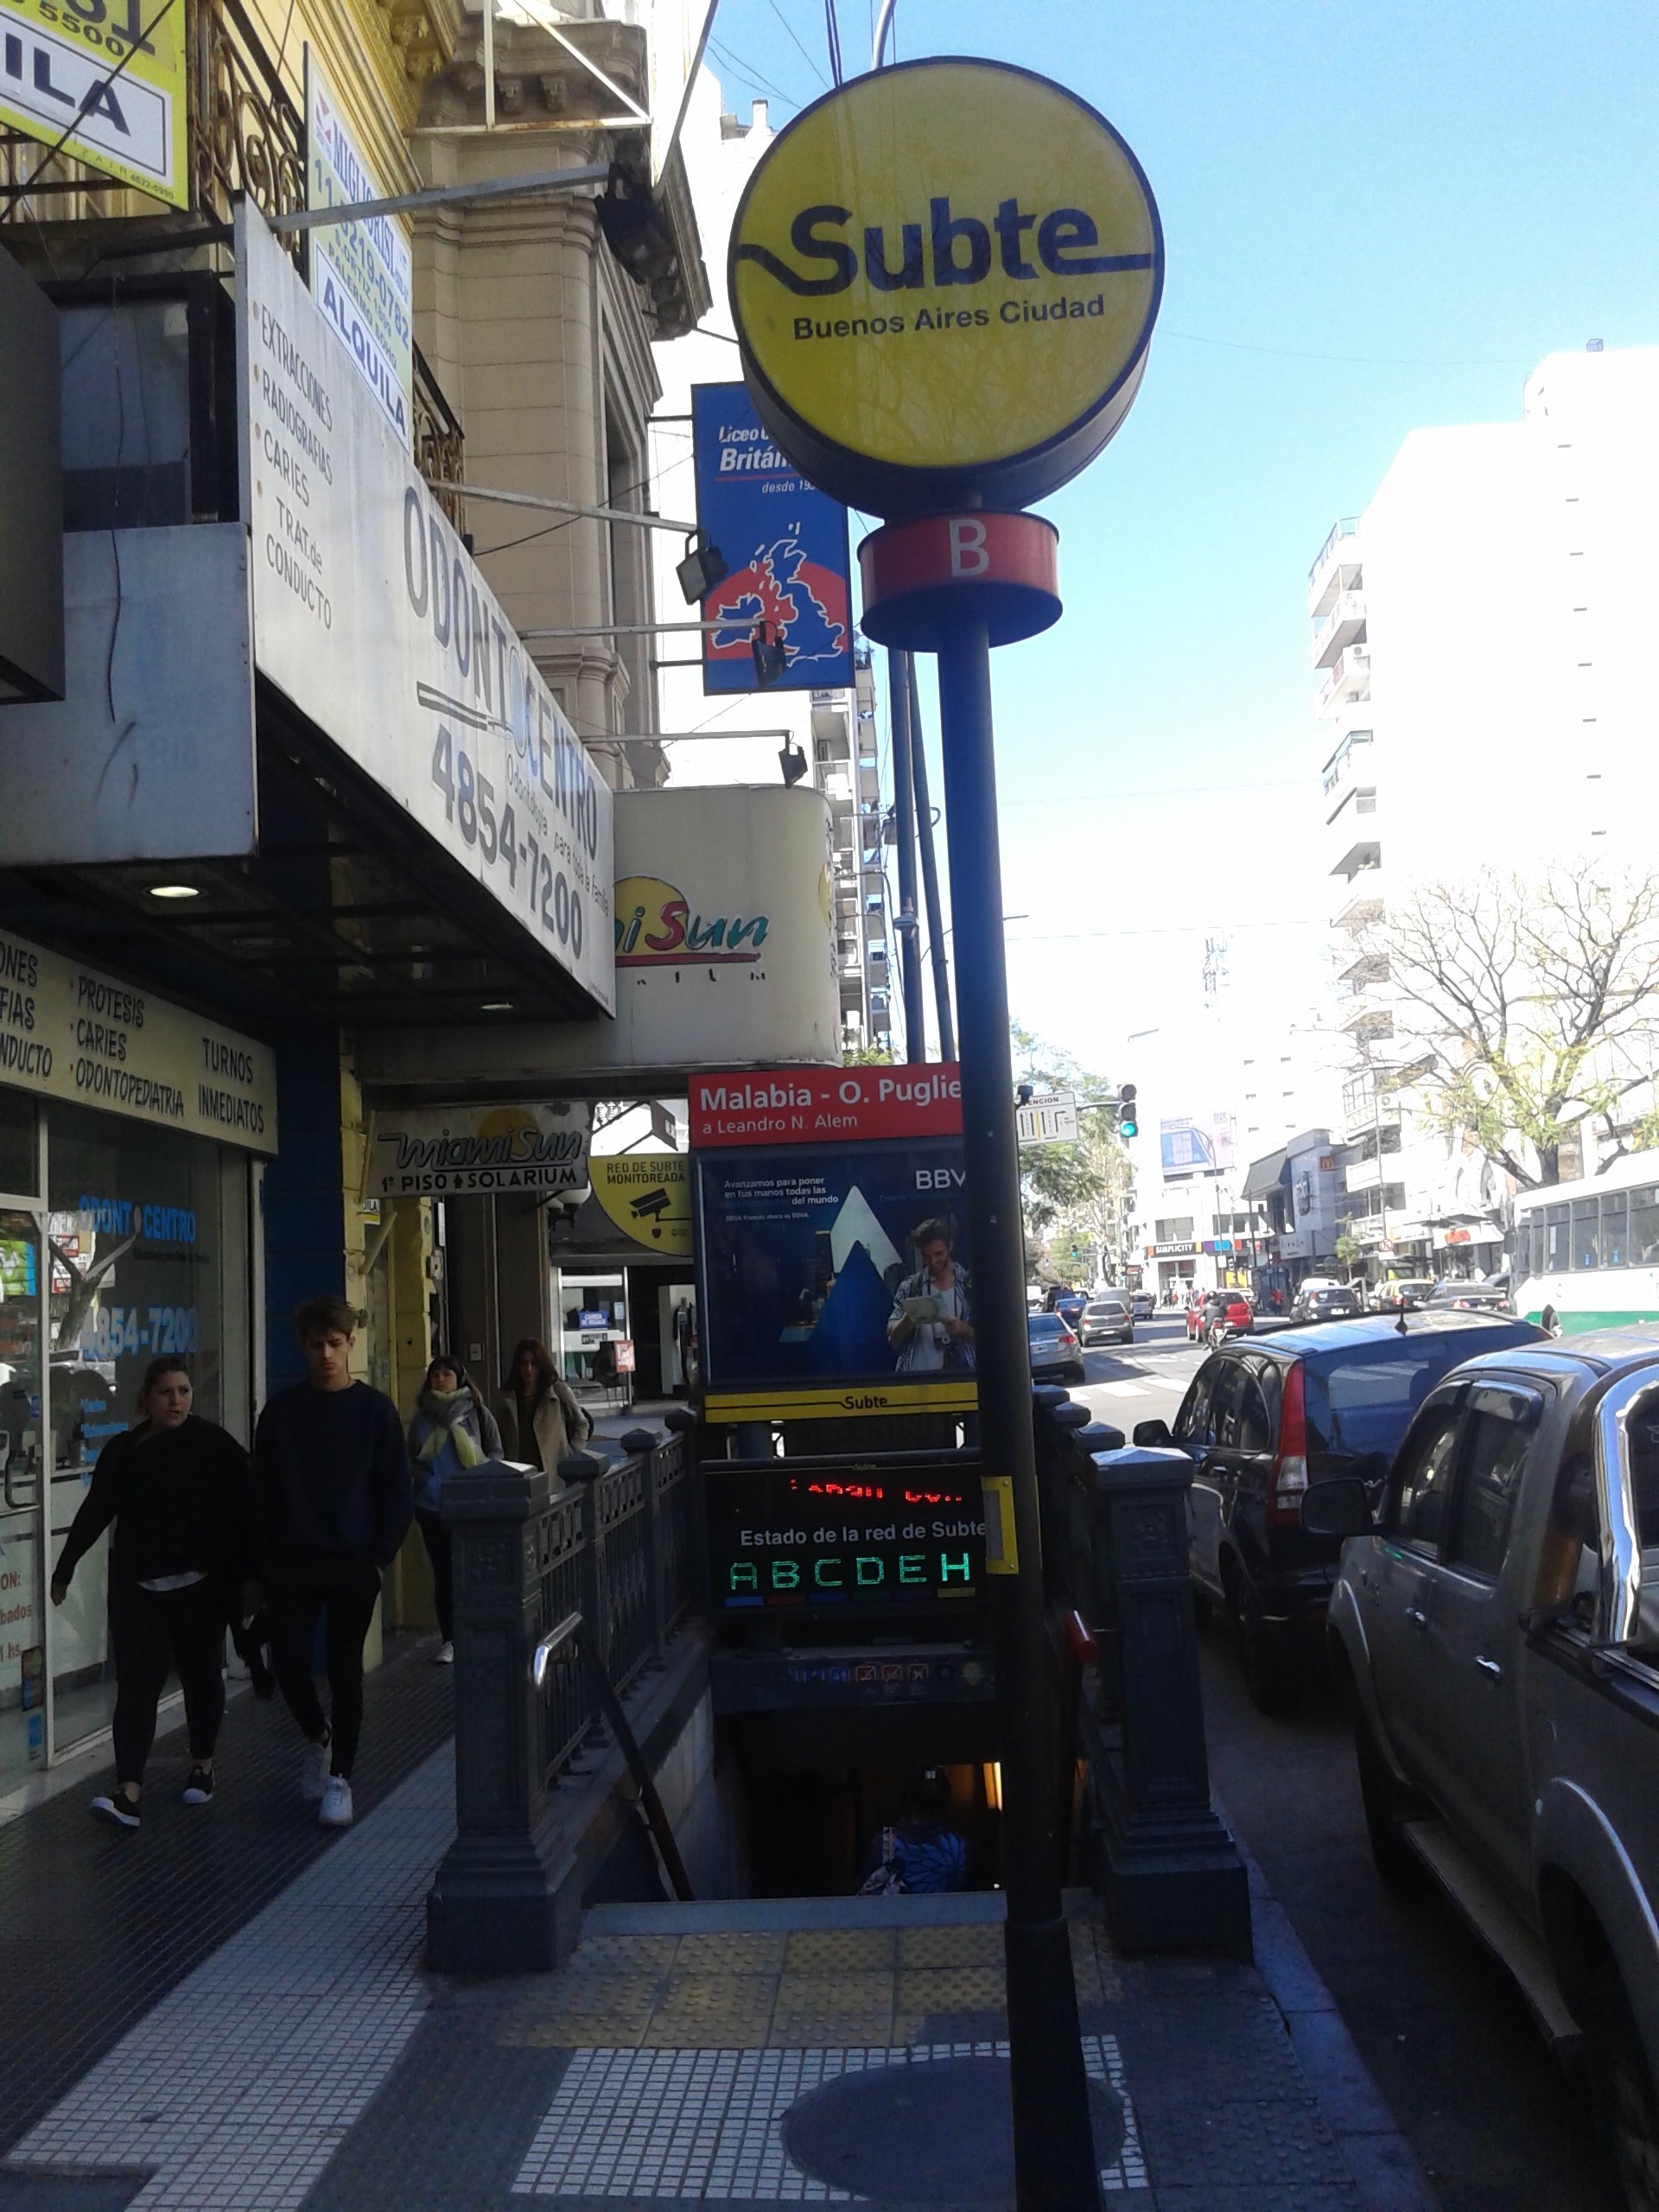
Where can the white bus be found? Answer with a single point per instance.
(1586, 1254)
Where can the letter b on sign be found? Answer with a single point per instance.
(968, 554)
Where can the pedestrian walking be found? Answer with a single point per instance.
(451, 1431)
(175, 1487)
(331, 1501)
(541, 1422)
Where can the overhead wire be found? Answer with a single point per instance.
(751, 74)
(801, 48)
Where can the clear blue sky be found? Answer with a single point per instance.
(1377, 215)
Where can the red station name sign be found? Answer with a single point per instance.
(805, 1105)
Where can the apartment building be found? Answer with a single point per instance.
(1480, 642)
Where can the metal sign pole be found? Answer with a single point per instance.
(904, 813)
(1054, 2145)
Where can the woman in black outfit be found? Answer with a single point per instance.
(176, 1488)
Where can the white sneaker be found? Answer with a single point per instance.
(335, 1810)
(444, 1656)
(313, 1772)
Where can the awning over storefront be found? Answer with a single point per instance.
(1266, 1175)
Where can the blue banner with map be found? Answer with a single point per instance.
(786, 548)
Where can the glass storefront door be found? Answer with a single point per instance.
(23, 1490)
(136, 1239)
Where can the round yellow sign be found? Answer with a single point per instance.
(944, 278)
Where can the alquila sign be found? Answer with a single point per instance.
(944, 277)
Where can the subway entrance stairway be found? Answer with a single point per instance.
(234, 2010)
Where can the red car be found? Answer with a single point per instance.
(1219, 1314)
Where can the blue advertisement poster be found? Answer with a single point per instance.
(827, 1267)
(786, 548)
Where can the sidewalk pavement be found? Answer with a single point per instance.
(259, 2033)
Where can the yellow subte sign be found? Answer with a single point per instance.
(944, 278)
(110, 75)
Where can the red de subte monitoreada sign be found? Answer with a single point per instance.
(809, 1105)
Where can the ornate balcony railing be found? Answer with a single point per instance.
(246, 134)
(439, 448)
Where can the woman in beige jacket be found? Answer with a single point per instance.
(541, 1423)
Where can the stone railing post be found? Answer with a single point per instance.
(490, 1909)
(1174, 1879)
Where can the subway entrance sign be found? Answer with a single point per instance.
(944, 278)
(835, 1538)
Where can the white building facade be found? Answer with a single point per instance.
(1482, 647)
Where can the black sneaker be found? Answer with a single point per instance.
(117, 1811)
(198, 1786)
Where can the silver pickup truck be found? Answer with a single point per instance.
(1498, 1630)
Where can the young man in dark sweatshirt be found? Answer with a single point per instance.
(331, 1501)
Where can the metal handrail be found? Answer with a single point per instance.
(542, 1658)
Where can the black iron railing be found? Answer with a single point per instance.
(563, 1601)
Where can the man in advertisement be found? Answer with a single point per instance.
(931, 1324)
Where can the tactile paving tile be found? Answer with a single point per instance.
(732, 1952)
(707, 2123)
(841, 1950)
(979, 1944)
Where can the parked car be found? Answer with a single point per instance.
(1107, 1317)
(1462, 1297)
(1499, 1630)
(1054, 1348)
(1142, 1304)
(1264, 1417)
(1402, 1293)
(1334, 1304)
(1219, 1314)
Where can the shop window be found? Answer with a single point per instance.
(20, 1156)
(135, 1242)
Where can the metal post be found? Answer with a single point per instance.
(930, 874)
(1053, 2147)
(904, 792)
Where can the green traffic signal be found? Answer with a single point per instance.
(1129, 1119)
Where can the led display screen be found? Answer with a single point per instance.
(842, 1538)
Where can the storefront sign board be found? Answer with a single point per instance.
(475, 1150)
(648, 1197)
(360, 272)
(150, 755)
(724, 953)
(785, 544)
(371, 615)
(944, 278)
(71, 1031)
(130, 126)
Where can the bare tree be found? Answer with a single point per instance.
(1525, 1007)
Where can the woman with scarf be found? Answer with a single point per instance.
(539, 1415)
(452, 1430)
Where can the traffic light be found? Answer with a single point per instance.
(1128, 1117)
